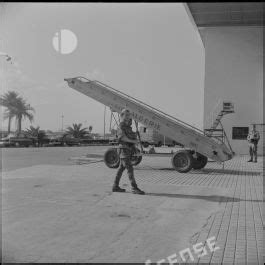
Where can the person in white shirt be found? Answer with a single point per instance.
(253, 139)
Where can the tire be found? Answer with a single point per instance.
(199, 162)
(136, 160)
(111, 158)
(182, 161)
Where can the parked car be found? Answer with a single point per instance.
(4, 142)
(18, 139)
(54, 142)
(70, 140)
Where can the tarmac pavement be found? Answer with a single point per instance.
(67, 213)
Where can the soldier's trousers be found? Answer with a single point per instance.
(125, 163)
(253, 151)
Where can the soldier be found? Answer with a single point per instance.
(127, 139)
(253, 139)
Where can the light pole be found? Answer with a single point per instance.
(104, 120)
(62, 121)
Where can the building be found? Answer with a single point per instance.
(232, 35)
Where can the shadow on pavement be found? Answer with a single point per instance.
(213, 198)
(210, 170)
(228, 171)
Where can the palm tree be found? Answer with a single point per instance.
(76, 130)
(17, 107)
(8, 100)
(8, 115)
(22, 110)
(36, 133)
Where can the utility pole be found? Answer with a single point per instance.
(104, 120)
(62, 121)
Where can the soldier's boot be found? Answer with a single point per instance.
(250, 160)
(117, 189)
(136, 190)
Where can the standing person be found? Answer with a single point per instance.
(253, 139)
(127, 140)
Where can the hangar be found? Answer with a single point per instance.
(232, 35)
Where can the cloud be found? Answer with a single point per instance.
(13, 78)
(3, 54)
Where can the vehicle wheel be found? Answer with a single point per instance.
(199, 162)
(182, 161)
(111, 158)
(136, 160)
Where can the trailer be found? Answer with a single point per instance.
(198, 147)
(152, 137)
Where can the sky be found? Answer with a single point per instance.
(149, 51)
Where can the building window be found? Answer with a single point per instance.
(240, 133)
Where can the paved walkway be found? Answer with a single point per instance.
(238, 227)
(68, 214)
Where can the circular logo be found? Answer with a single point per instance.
(64, 41)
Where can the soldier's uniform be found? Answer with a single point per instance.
(253, 139)
(126, 151)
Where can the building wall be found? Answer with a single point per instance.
(234, 72)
